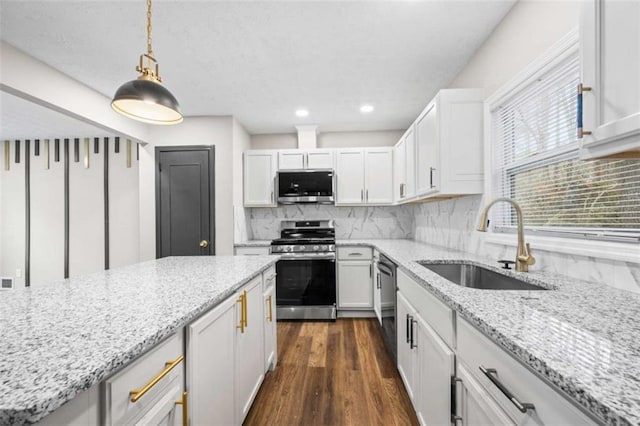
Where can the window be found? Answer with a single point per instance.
(536, 162)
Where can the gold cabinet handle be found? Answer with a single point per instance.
(241, 301)
(185, 410)
(245, 310)
(204, 243)
(170, 365)
(270, 316)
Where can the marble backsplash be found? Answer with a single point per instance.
(350, 222)
(452, 224)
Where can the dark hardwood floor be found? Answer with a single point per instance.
(332, 374)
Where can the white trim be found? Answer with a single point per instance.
(557, 53)
(574, 246)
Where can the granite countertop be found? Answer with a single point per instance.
(65, 337)
(582, 337)
(253, 243)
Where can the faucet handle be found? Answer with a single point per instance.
(506, 264)
(531, 260)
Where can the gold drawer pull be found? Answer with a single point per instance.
(185, 410)
(241, 300)
(139, 393)
(270, 316)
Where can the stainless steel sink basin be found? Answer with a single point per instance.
(475, 276)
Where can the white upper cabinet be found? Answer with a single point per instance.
(404, 167)
(378, 175)
(610, 50)
(350, 176)
(295, 159)
(364, 176)
(259, 178)
(449, 144)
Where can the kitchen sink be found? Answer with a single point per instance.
(474, 276)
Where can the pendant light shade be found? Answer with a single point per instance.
(146, 99)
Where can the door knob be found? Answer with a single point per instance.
(204, 243)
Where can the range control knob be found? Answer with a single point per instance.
(316, 248)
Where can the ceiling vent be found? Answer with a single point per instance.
(307, 137)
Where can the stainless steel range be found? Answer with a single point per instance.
(306, 271)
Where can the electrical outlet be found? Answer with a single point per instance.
(18, 273)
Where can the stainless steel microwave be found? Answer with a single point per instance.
(305, 186)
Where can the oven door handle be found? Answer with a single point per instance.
(298, 257)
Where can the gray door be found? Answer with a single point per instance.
(184, 201)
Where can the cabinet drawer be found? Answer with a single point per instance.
(252, 251)
(117, 397)
(355, 253)
(435, 313)
(477, 350)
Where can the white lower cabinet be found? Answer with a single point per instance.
(210, 365)
(270, 327)
(474, 405)
(435, 346)
(249, 368)
(426, 365)
(436, 367)
(377, 289)
(225, 358)
(407, 355)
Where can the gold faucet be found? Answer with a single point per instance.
(523, 256)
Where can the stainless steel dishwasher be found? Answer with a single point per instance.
(387, 288)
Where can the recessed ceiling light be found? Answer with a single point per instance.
(302, 113)
(366, 108)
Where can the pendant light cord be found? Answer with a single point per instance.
(149, 49)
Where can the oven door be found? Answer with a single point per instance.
(306, 286)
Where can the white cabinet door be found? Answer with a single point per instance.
(410, 163)
(436, 367)
(320, 159)
(377, 294)
(427, 153)
(354, 284)
(475, 407)
(290, 160)
(399, 171)
(259, 178)
(610, 49)
(211, 360)
(407, 353)
(378, 176)
(249, 348)
(350, 176)
(270, 330)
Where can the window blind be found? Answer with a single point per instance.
(536, 163)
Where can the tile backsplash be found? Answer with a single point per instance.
(449, 223)
(351, 222)
(452, 224)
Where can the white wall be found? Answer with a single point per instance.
(525, 33)
(329, 140)
(217, 131)
(241, 143)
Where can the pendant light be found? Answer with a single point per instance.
(146, 99)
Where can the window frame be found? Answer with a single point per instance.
(586, 241)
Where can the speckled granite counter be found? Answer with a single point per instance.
(253, 243)
(582, 337)
(59, 340)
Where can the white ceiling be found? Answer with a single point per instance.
(260, 61)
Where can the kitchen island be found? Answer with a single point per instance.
(67, 336)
